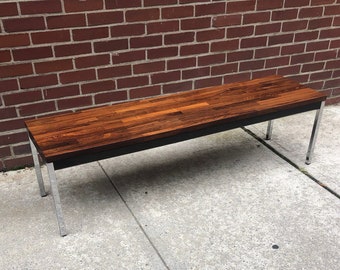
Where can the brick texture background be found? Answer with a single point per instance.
(65, 55)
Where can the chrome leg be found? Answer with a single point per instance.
(315, 130)
(269, 130)
(56, 198)
(37, 169)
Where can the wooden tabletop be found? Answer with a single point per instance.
(92, 130)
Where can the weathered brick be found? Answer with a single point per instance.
(104, 18)
(14, 40)
(77, 76)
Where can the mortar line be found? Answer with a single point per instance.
(133, 215)
(289, 161)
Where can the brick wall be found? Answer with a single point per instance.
(63, 55)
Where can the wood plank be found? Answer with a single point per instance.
(98, 129)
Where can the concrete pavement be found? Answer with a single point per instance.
(223, 201)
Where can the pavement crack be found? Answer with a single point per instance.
(302, 170)
(134, 216)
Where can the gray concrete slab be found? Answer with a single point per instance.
(102, 233)
(224, 202)
(219, 202)
(291, 137)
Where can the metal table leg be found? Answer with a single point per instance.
(56, 199)
(269, 130)
(315, 130)
(37, 169)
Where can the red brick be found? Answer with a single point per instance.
(145, 42)
(53, 66)
(258, 17)
(76, 102)
(227, 45)
(321, 2)
(195, 73)
(316, 85)
(32, 53)
(226, 20)
(104, 18)
(302, 58)
(327, 55)
(294, 25)
(253, 42)
(240, 6)
(40, 7)
(224, 69)
(37, 108)
(90, 33)
(292, 49)
(16, 70)
(24, 24)
(323, 75)
(319, 23)
(100, 86)
(263, 73)
(267, 52)
(8, 85)
(177, 87)
(178, 38)
(22, 149)
(51, 37)
(134, 81)
(122, 3)
(77, 76)
(196, 23)
(192, 1)
(163, 77)
(113, 96)
(81, 5)
(92, 61)
(7, 113)
(5, 56)
(22, 97)
(294, 3)
(5, 151)
(301, 78)
(177, 12)
(335, 43)
(148, 3)
(267, 5)
(280, 39)
(142, 15)
(289, 70)
(194, 49)
(251, 65)
(13, 138)
(210, 35)
(310, 12)
(162, 52)
(66, 21)
(163, 27)
(211, 59)
(330, 33)
(240, 31)
(277, 62)
(304, 36)
(312, 67)
(111, 45)
(336, 21)
(332, 10)
(286, 14)
(114, 72)
(18, 162)
(332, 100)
(240, 55)
(72, 49)
(332, 83)
(61, 91)
(130, 56)
(149, 67)
(208, 82)
(181, 63)
(147, 91)
(8, 9)
(38, 81)
(210, 9)
(14, 40)
(270, 28)
(127, 30)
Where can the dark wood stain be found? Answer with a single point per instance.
(134, 122)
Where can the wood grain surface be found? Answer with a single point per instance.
(110, 127)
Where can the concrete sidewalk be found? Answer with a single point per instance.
(223, 201)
